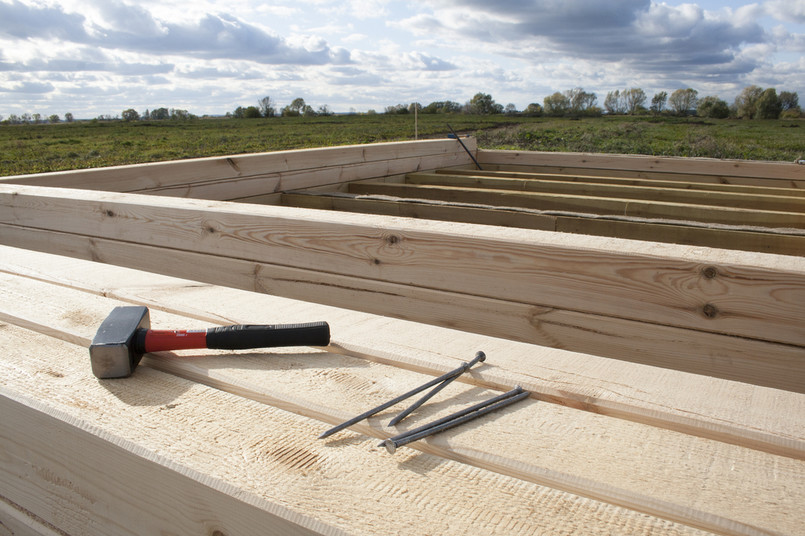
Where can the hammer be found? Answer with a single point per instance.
(125, 336)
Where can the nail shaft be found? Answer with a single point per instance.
(479, 357)
(390, 403)
(456, 419)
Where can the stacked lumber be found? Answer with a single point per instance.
(205, 441)
(667, 380)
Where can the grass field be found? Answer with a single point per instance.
(45, 147)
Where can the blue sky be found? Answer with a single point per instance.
(99, 57)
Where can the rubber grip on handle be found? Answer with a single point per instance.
(242, 337)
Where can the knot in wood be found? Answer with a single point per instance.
(710, 272)
(710, 310)
(392, 239)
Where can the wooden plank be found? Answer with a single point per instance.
(243, 188)
(740, 294)
(729, 357)
(737, 238)
(606, 482)
(627, 180)
(181, 173)
(754, 201)
(693, 405)
(637, 208)
(788, 175)
(195, 459)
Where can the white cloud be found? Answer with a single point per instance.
(374, 53)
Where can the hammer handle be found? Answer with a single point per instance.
(238, 337)
(250, 336)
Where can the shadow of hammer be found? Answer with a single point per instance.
(125, 336)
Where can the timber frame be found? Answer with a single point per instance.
(643, 268)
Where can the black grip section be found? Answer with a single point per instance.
(243, 337)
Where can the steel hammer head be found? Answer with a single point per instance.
(112, 352)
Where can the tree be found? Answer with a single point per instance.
(789, 100)
(483, 104)
(746, 102)
(325, 110)
(634, 100)
(658, 102)
(399, 109)
(266, 106)
(54, 118)
(160, 114)
(614, 103)
(510, 109)
(130, 115)
(533, 110)
(442, 107)
(713, 107)
(768, 105)
(683, 101)
(580, 101)
(180, 115)
(556, 105)
(68, 117)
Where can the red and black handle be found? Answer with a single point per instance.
(238, 337)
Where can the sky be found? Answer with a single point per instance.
(100, 57)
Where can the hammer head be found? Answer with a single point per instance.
(112, 352)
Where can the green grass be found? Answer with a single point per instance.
(40, 148)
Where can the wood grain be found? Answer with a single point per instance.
(299, 385)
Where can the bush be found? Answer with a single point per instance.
(713, 107)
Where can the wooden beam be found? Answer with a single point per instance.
(784, 174)
(754, 201)
(736, 238)
(502, 449)
(235, 176)
(627, 180)
(637, 208)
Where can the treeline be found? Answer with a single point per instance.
(753, 102)
(35, 119)
(267, 107)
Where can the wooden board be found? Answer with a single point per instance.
(230, 177)
(754, 200)
(746, 172)
(622, 467)
(580, 203)
(627, 180)
(739, 238)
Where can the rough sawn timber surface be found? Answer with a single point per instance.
(619, 467)
(242, 467)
